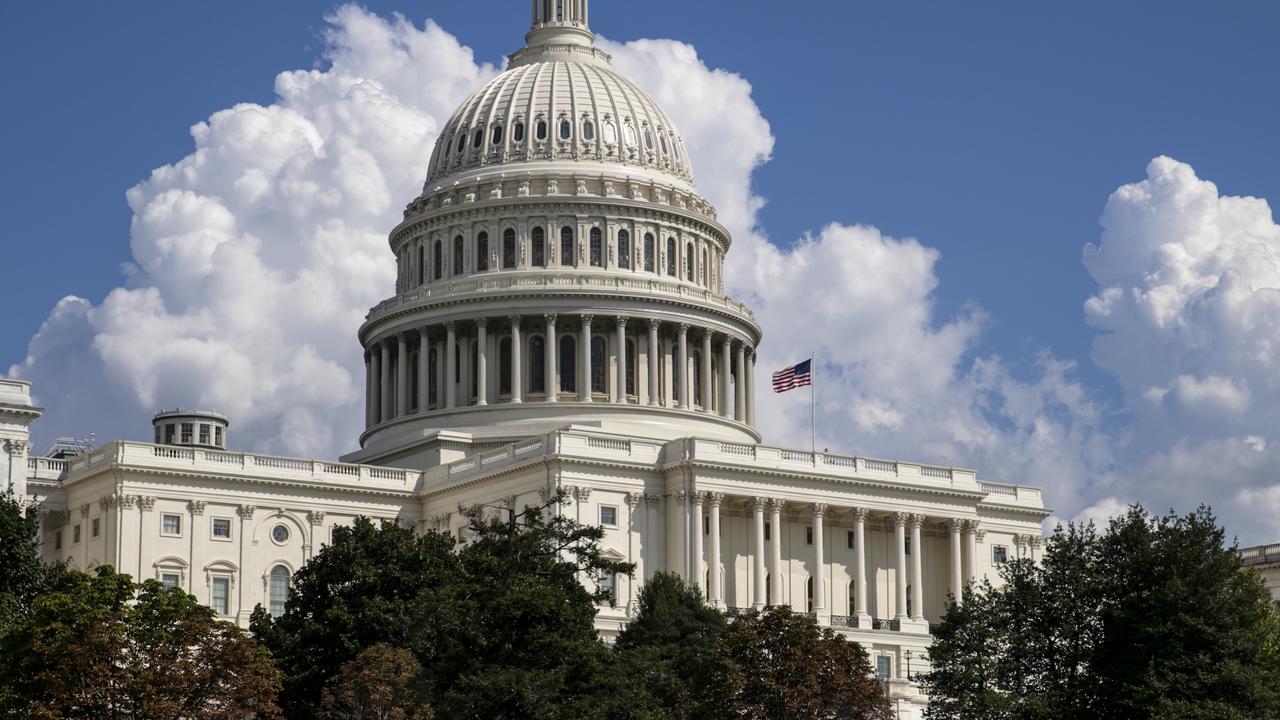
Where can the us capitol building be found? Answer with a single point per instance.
(559, 327)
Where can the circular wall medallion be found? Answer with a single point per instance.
(280, 534)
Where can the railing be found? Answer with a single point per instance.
(609, 444)
(499, 281)
(998, 489)
(848, 621)
(51, 466)
(894, 625)
(881, 466)
(1260, 554)
(733, 612)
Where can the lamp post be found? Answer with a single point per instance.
(908, 655)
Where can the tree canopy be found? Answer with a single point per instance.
(1152, 618)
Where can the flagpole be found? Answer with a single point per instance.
(813, 408)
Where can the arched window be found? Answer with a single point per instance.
(539, 242)
(597, 252)
(648, 252)
(808, 591)
(457, 363)
(648, 139)
(677, 375)
(696, 374)
(462, 141)
(509, 248)
(633, 367)
(688, 262)
(624, 249)
(422, 266)
(482, 252)
(566, 129)
(663, 140)
(671, 256)
(704, 267)
(504, 366)
(675, 148)
(437, 260)
(475, 376)
(598, 375)
(629, 133)
(588, 130)
(566, 246)
(457, 255)
(497, 134)
(540, 130)
(610, 132)
(537, 364)
(278, 593)
(568, 359)
(479, 138)
(518, 133)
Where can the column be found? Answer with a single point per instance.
(653, 362)
(584, 360)
(675, 502)
(900, 567)
(375, 386)
(368, 393)
(482, 361)
(957, 577)
(775, 556)
(970, 550)
(860, 566)
(708, 389)
(402, 375)
(442, 349)
(725, 351)
(450, 366)
(683, 362)
(917, 585)
(751, 388)
(553, 381)
(385, 413)
(740, 392)
(424, 370)
(622, 359)
(517, 354)
(633, 501)
(695, 526)
(819, 562)
(713, 564)
(758, 600)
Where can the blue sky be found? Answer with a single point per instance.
(993, 132)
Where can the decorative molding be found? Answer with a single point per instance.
(246, 512)
(146, 502)
(582, 493)
(652, 500)
(859, 514)
(759, 503)
(315, 517)
(715, 499)
(197, 507)
(126, 502)
(632, 500)
(84, 510)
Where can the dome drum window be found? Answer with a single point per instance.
(566, 129)
(497, 134)
(597, 254)
(517, 133)
(588, 131)
(624, 249)
(540, 130)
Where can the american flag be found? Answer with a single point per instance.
(793, 377)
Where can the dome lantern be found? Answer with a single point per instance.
(560, 22)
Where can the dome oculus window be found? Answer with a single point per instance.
(610, 133)
(630, 134)
(462, 142)
(648, 140)
(541, 130)
(588, 131)
(566, 129)
(479, 138)
(517, 133)
(663, 140)
(497, 134)
(280, 534)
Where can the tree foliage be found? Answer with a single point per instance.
(23, 575)
(1151, 619)
(777, 665)
(378, 684)
(104, 647)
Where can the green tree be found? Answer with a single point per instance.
(103, 647)
(777, 665)
(378, 684)
(1151, 619)
(362, 589)
(23, 574)
(671, 645)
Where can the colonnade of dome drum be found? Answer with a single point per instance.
(454, 365)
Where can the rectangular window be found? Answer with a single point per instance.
(609, 584)
(882, 667)
(999, 554)
(188, 429)
(217, 436)
(222, 528)
(169, 431)
(808, 535)
(608, 515)
(850, 539)
(158, 434)
(57, 540)
(170, 524)
(706, 525)
(95, 529)
(908, 546)
(766, 532)
(204, 433)
(75, 534)
(221, 595)
(170, 580)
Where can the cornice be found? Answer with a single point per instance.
(118, 469)
(861, 482)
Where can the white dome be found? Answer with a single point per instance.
(560, 102)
